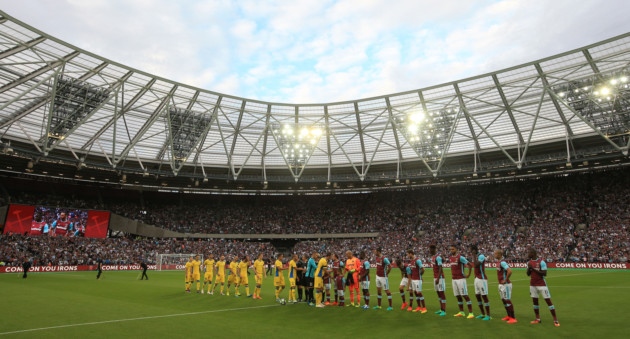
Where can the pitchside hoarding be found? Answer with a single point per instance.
(74, 268)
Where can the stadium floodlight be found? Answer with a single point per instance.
(427, 132)
(603, 100)
(186, 128)
(73, 101)
(297, 143)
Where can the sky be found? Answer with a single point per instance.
(323, 51)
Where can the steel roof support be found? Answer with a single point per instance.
(237, 130)
(117, 113)
(156, 114)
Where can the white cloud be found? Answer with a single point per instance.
(322, 51)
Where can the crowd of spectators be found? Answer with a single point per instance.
(44, 250)
(581, 217)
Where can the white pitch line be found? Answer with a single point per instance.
(133, 319)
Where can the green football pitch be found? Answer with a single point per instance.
(76, 305)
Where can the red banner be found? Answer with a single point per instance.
(19, 218)
(75, 268)
(97, 224)
(589, 265)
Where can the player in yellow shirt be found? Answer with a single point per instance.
(207, 277)
(243, 278)
(292, 278)
(220, 278)
(278, 277)
(233, 277)
(188, 273)
(196, 272)
(320, 274)
(259, 270)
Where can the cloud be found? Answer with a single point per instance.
(322, 51)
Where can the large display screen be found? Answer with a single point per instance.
(56, 221)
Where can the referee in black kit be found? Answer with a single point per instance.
(99, 268)
(144, 267)
(26, 265)
(301, 282)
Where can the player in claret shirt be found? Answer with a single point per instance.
(416, 281)
(38, 225)
(460, 287)
(337, 270)
(439, 283)
(404, 282)
(481, 283)
(383, 267)
(537, 271)
(62, 225)
(364, 279)
(504, 272)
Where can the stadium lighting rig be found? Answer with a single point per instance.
(186, 129)
(73, 101)
(603, 100)
(297, 143)
(428, 132)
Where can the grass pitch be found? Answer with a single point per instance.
(76, 305)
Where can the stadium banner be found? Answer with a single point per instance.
(19, 219)
(75, 268)
(97, 224)
(589, 265)
(56, 221)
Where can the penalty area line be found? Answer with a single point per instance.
(133, 319)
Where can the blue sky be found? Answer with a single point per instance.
(317, 51)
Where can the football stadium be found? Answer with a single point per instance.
(135, 205)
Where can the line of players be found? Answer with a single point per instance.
(216, 271)
(313, 279)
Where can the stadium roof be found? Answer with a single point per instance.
(60, 102)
